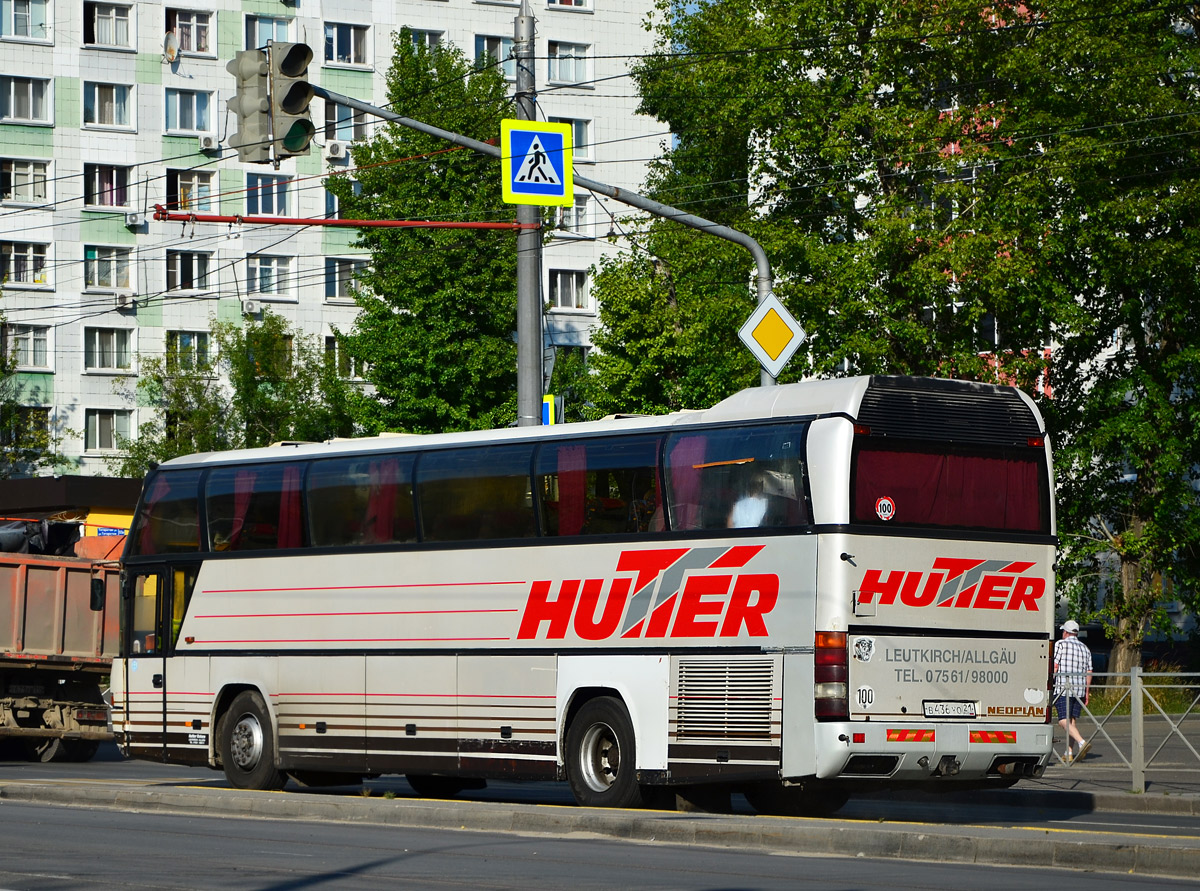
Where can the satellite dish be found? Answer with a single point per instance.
(171, 47)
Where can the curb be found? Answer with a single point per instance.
(951, 844)
(1058, 799)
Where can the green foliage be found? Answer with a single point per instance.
(266, 384)
(946, 189)
(438, 306)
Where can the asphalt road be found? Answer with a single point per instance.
(58, 848)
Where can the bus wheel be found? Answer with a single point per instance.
(80, 750)
(809, 800)
(601, 759)
(247, 747)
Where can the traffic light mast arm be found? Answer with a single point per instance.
(625, 196)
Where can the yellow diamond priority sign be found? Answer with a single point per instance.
(772, 335)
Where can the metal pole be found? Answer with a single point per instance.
(529, 244)
(1137, 735)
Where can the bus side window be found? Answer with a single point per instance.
(169, 519)
(599, 487)
(255, 508)
(737, 477)
(361, 501)
(475, 494)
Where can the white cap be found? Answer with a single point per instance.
(1070, 626)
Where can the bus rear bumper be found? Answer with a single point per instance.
(909, 752)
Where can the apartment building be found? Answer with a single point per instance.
(108, 108)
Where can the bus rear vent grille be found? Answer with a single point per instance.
(724, 700)
(948, 410)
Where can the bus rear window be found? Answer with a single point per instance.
(919, 484)
(169, 519)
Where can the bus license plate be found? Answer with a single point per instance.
(949, 709)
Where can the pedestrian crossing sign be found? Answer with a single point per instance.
(536, 162)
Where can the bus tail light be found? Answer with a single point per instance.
(830, 677)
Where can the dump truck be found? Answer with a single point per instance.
(58, 634)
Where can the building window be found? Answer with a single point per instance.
(105, 24)
(105, 185)
(23, 181)
(24, 99)
(266, 194)
(27, 345)
(339, 277)
(333, 207)
(581, 137)
(107, 349)
(262, 28)
(568, 289)
(187, 350)
(106, 105)
(191, 29)
(344, 123)
(24, 18)
(187, 110)
(187, 271)
(568, 62)
(573, 218)
(106, 267)
(496, 51)
(266, 274)
(107, 428)
(22, 263)
(426, 39)
(25, 425)
(346, 44)
(189, 190)
(337, 357)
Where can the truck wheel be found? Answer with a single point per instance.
(601, 756)
(46, 750)
(247, 746)
(81, 750)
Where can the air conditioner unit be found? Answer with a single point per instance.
(209, 143)
(250, 307)
(124, 299)
(335, 150)
(134, 219)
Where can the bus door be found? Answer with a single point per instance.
(157, 598)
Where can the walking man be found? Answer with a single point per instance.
(1072, 683)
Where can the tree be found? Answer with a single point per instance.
(438, 307)
(947, 188)
(263, 383)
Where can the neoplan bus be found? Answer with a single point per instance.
(804, 590)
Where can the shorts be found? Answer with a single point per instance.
(1060, 706)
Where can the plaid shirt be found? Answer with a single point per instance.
(1072, 665)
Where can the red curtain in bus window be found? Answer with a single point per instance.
(243, 489)
(289, 509)
(685, 481)
(381, 500)
(572, 489)
(948, 490)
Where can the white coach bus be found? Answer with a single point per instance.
(802, 591)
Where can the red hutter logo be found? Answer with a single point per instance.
(655, 601)
(957, 582)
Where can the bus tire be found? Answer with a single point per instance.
(81, 750)
(46, 751)
(601, 756)
(808, 800)
(247, 745)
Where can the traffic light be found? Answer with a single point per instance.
(291, 125)
(251, 107)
